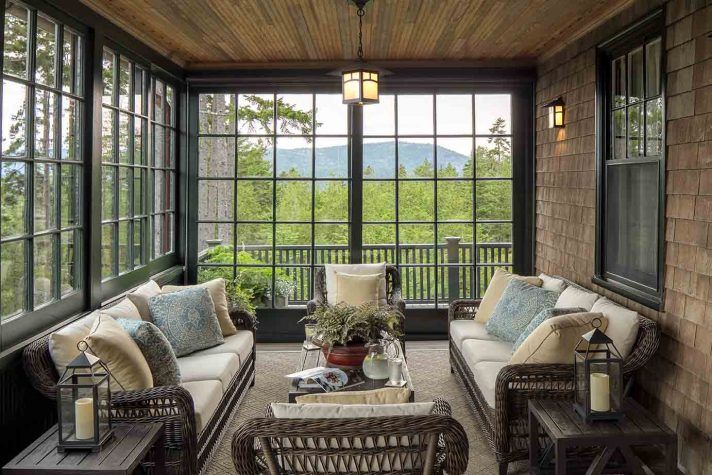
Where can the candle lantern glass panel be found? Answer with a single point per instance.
(598, 378)
(83, 404)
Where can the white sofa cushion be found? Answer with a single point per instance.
(574, 296)
(461, 330)
(485, 373)
(475, 351)
(63, 342)
(345, 411)
(622, 324)
(330, 271)
(222, 367)
(206, 398)
(552, 283)
(239, 344)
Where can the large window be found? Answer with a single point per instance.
(273, 191)
(631, 165)
(138, 165)
(41, 170)
(437, 192)
(275, 195)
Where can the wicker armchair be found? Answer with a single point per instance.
(393, 289)
(507, 426)
(431, 443)
(186, 451)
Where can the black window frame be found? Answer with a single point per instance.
(516, 82)
(20, 325)
(93, 293)
(636, 35)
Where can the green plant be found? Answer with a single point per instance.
(284, 287)
(241, 299)
(341, 324)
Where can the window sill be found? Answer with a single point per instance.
(653, 301)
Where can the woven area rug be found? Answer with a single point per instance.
(430, 371)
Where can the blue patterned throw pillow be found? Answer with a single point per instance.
(545, 314)
(156, 349)
(519, 304)
(187, 318)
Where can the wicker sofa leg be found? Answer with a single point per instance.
(503, 468)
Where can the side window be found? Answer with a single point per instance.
(631, 165)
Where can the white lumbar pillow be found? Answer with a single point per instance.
(330, 271)
(552, 283)
(63, 342)
(573, 297)
(622, 324)
(283, 410)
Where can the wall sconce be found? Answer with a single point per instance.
(556, 113)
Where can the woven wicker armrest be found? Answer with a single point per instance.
(517, 384)
(242, 320)
(172, 405)
(345, 432)
(463, 309)
(397, 301)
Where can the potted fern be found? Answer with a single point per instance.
(344, 330)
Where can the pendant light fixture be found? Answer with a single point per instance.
(360, 81)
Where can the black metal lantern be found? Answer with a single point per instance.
(83, 403)
(556, 112)
(598, 375)
(360, 81)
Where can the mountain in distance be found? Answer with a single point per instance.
(380, 156)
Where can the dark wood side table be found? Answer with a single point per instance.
(129, 446)
(566, 430)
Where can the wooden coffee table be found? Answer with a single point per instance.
(311, 358)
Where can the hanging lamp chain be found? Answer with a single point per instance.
(360, 13)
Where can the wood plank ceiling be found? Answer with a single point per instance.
(200, 34)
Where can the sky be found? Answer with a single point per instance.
(415, 116)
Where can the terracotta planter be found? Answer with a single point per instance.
(349, 356)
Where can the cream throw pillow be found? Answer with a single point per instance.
(374, 396)
(555, 339)
(63, 342)
(623, 324)
(216, 288)
(140, 296)
(115, 347)
(494, 292)
(124, 309)
(357, 290)
(330, 271)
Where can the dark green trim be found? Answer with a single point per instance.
(652, 25)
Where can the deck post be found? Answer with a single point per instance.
(452, 244)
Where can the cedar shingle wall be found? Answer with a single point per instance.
(677, 384)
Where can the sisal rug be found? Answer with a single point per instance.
(430, 372)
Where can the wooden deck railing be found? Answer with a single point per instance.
(451, 270)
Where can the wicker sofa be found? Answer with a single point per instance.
(433, 443)
(499, 391)
(195, 413)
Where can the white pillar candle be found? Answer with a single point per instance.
(84, 418)
(600, 392)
